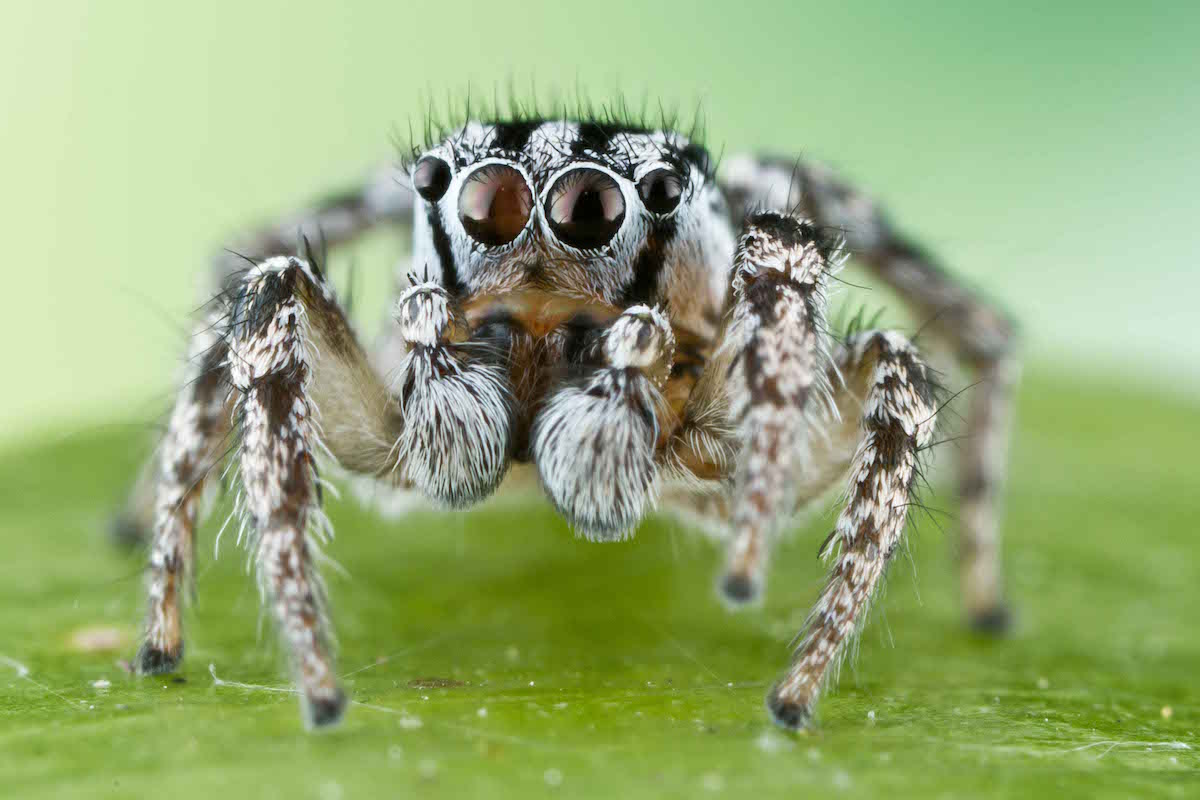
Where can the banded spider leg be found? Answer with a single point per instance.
(302, 385)
(772, 360)
(981, 335)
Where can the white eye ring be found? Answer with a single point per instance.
(628, 197)
(585, 208)
(495, 203)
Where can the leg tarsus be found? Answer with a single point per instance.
(994, 621)
(787, 712)
(323, 711)
(740, 590)
(152, 661)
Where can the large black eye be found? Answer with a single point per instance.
(585, 208)
(431, 178)
(660, 190)
(494, 204)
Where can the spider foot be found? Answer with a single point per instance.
(151, 660)
(323, 709)
(741, 589)
(788, 712)
(994, 621)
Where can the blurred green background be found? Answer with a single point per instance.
(1048, 151)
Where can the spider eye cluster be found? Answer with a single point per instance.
(584, 208)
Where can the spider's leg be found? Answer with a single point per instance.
(302, 385)
(898, 418)
(705, 448)
(281, 337)
(595, 440)
(174, 485)
(982, 335)
(289, 347)
(769, 362)
(383, 198)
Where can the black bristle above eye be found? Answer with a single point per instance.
(513, 116)
(594, 136)
(514, 135)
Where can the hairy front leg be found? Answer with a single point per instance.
(440, 424)
(980, 333)
(383, 198)
(706, 504)
(771, 360)
(302, 386)
(271, 364)
(898, 419)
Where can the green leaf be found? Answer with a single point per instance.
(492, 654)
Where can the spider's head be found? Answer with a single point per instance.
(616, 214)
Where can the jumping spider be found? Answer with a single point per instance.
(586, 299)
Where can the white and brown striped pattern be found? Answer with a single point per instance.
(190, 449)
(982, 336)
(898, 419)
(777, 344)
(279, 499)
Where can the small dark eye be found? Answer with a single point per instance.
(431, 178)
(660, 190)
(585, 208)
(494, 204)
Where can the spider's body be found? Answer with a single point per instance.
(547, 296)
(590, 300)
